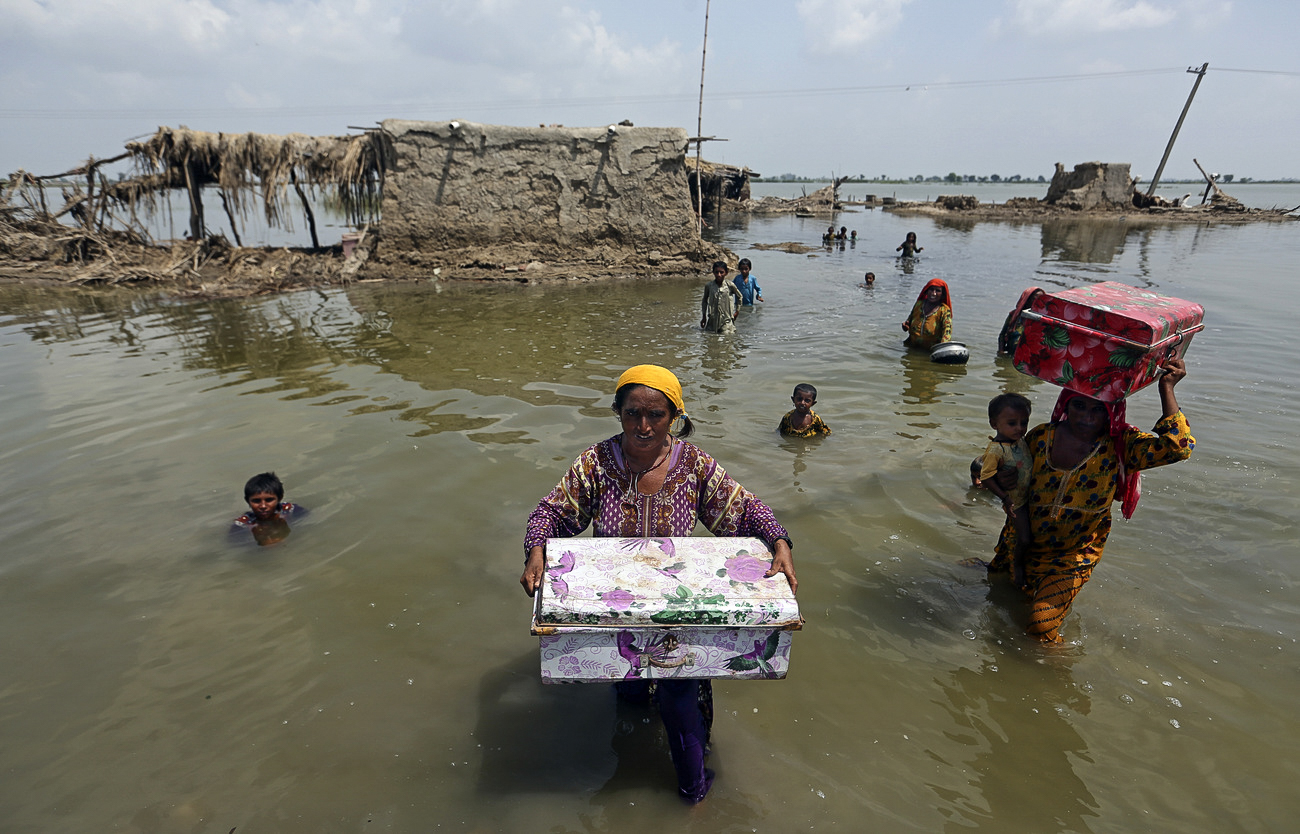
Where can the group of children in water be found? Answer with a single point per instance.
(720, 305)
(908, 247)
(842, 236)
(1005, 453)
(930, 322)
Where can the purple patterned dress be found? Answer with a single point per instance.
(599, 490)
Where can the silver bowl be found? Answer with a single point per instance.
(949, 353)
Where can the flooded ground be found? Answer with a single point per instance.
(375, 672)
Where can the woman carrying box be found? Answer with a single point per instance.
(648, 482)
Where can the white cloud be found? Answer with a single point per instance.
(844, 25)
(195, 23)
(1087, 16)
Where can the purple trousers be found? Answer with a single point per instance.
(686, 708)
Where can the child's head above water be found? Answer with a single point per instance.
(744, 266)
(1009, 416)
(805, 397)
(263, 493)
(266, 482)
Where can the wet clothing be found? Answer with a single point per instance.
(1013, 329)
(598, 490)
(1004, 455)
(286, 511)
(748, 289)
(718, 306)
(1069, 512)
(925, 331)
(815, 428)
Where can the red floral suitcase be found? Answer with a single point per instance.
(1105, 340)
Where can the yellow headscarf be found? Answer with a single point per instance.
(656, 377)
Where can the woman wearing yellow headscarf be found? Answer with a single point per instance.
(648, 482)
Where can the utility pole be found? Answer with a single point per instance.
(1200, 73)
(699, 128)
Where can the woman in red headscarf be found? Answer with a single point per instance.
(931, 320)
(1083, 460)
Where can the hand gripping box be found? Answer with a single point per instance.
(613, 609)
(1105, 340)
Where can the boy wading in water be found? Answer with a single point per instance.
(721, 302)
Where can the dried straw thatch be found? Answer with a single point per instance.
(721, 182)
(242, 164)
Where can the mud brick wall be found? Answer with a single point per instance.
(467, 194)
(1091, 185)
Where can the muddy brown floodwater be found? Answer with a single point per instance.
(374, 671)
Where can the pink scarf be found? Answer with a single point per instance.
(1130, 483)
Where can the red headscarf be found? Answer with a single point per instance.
(935, 282)
(1130, 483)
(1005, 340)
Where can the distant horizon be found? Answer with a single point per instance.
(848, 85)
(935, 178)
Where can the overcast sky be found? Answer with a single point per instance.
(803, 86)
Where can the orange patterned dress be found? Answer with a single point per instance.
(1069, 513)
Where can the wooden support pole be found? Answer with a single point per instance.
(1209, 179)
(306, 208)
(88, 219)
(81, 169)
(234, 229)
(196, 202)
(699, 128)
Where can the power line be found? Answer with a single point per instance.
(1260, 72)
(478, 105)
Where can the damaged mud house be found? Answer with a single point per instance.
(457, 200)
(443, 200)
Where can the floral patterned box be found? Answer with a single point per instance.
(1106, 340)
(617, 609)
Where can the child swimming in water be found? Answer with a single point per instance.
(908, 247)
(803, 421)
(268, 513)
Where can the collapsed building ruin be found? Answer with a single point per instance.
(455, 199)
(1091, 186)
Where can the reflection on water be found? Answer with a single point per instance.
(1021, 748)
(922, 380)
(374, 667)
(1083, 241)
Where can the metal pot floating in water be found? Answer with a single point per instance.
(949, 353)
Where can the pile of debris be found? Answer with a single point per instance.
(960, 202)
(821, 203)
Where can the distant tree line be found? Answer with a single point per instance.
(954, 177)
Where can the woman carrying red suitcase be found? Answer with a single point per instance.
(1087, 457)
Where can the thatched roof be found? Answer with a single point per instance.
(243, 163)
